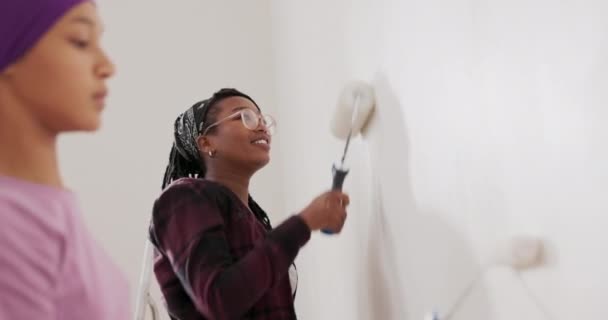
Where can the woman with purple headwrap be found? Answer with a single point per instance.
(52, 80)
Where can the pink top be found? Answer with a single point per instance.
(50, 266)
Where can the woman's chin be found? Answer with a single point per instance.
(90, 124)
(262, 161)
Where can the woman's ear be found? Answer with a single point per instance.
(10, 70)
(204, 144)
(7, 72)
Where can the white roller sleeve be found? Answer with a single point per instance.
(346, 109)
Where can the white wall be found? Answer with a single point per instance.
(489, 123)
(169, 55)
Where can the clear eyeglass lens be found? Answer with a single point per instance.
(251, 121)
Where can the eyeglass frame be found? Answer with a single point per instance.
(260, 117)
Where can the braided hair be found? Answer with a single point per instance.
(185, 159)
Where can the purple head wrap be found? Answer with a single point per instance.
(23, 22)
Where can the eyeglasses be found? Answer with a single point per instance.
(250, 119)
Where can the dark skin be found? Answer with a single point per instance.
(236, 158)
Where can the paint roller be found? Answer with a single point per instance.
(355, 105)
